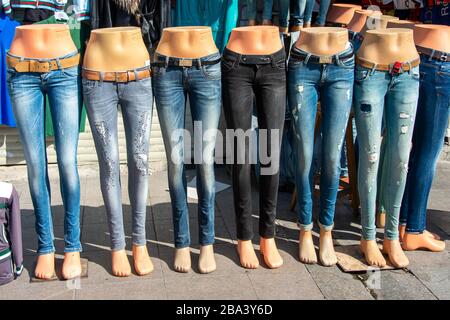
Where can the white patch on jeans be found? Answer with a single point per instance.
(300, 88)
(404, 115)
(404, 129)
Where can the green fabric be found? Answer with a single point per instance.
(80, 34)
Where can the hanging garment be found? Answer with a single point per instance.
(151, 15)
(80, 34)
(11, 254)
(79, 7)
(5, 5)
(220, 15)
(7, 30)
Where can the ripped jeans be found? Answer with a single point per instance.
(136, 102)
(379, 93)
(333, 84)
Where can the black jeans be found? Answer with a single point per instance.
(243, 77)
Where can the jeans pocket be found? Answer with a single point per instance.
(281, 64)
(349, 63)
(10, 74)
(158, 71)
(212, 72)
(71, 72)
(227, 65)
(89, 86)
(361, 74)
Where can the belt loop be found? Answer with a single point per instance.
(136, 75)
(372, 71)
(58, 62)
(337, 59)
(272, 60)
(410, 67)
(307, 58)
(166, 62)
(102, 76)
(431, 55)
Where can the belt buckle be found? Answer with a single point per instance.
(325, 59)
(185, 63)
(443, 57)
(118, 79)
(396, 68)
(40, 67)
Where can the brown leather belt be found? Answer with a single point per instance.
(395, 68)
(35, 65)
(125, 76)
(434, 54)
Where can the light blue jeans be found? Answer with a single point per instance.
(136, 102)
(268, 9)
(323, 11)
(27, 91)
(333, 83)
(379, 93)
(203, 87)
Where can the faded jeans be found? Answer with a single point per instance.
(136, 103)
(379, 93)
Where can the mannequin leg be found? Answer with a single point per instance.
(27, 102)
(101, 103)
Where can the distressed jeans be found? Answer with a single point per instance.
(378, 94)
(333, 85)
(136, 103)
(27, 91)
(202, 85)
(428, 140)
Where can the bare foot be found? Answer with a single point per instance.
(45, 266)
(296, 28)
(71, 267)
(284, 30)
(372, 253)
(120, 264)
(307, 252)
(307, 25)
(413, 241)
(142, 263)
(327, 255)
(182, 261)
(247, 255)
(431, 234)
(267, 22)
(206, 261)
(402, 231)
(381, 219)
(396, 255)
(270, 253)
(252, 22)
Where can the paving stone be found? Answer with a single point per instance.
(337, 285)
(210, 287)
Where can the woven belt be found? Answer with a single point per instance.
(320, 59)
(434, 54)
(395, 68)
(176, 62)
(35, 65)
(123, 77)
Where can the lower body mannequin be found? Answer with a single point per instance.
(306, 84)
(202, 85)
(428, 138)
(136, 101)
(239, 90)
(27, 91)
(394, 98)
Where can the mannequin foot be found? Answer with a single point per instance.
(120, 264)
(45, 266)
(432, 235)
(296, 28)
(381, 219)
(182, 261)
(270, 253)
(327, 255)
(413, 241)
(206, 262)
(284, 30)
(267, 22)
(71, 267)
(307, 252)
(402, 231)
(395, 252)
(307, 25)
(252, 22)
(372, 253)
(142, 263)
(247, 255)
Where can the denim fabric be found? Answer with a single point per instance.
(136, 102)
(333, 85)
(298, 12)
(202, 86)
(268, 9)
(27, 91)
(378, 94)
(283, 18)
(356, 40)
(323, 11)
(251, 9)
(262, 77)
(428, 140)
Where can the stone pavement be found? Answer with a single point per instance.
(428, 276)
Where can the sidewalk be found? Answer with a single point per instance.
(428, 276)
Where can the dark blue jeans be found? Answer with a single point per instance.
(203, 86)
(334, 84)
(428, 139)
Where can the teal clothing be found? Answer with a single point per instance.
(220, 15)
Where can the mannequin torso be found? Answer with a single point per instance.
(342, 13)
(323, 41)
(377, 22)
(116, 49)
(431, 36)
(256, 40)
(45, 41)
(359, 19)
(187, 42)
(400, 24)
(388, 46)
